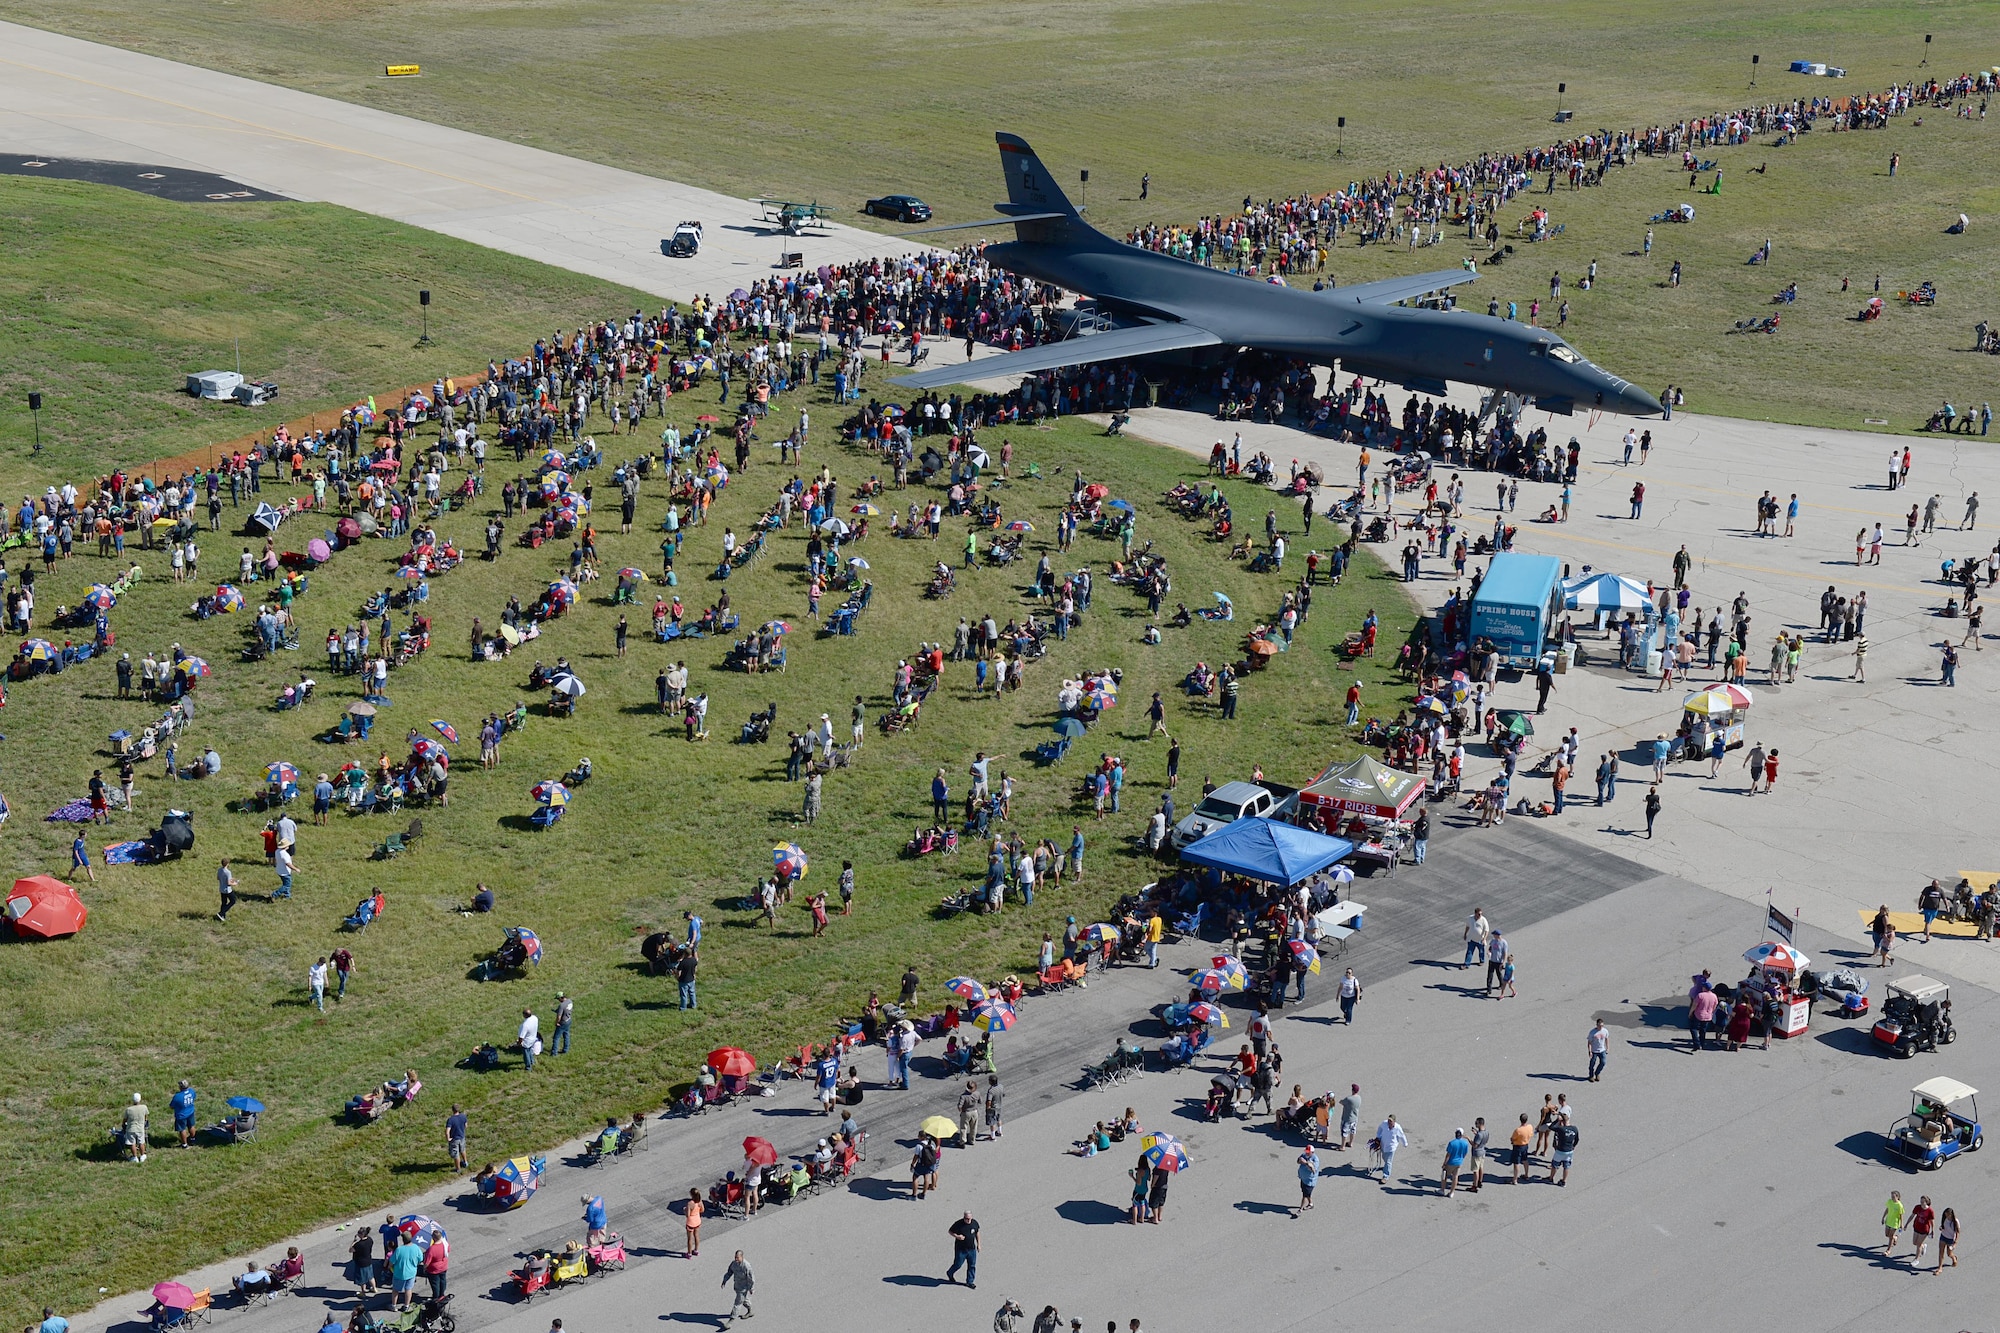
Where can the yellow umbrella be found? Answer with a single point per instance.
(1709, 702)
(939, 1127)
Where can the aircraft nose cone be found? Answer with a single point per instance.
(1633, 401)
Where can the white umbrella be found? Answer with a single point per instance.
(978, 455)
(857, 563)
(569, 685)
(834, 525)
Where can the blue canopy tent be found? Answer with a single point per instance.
(1268, 850)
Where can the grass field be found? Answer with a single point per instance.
(109, 298)
(156, 989)
(854, 99)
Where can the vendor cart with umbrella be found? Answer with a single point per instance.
(1713, 708)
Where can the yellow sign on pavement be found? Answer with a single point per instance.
(398, 71)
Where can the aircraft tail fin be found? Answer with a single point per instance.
(1032, 189)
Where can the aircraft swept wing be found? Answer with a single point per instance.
(1388, 291)
(1138, 340)
(988, 222)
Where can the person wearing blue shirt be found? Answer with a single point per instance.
(694, 929)
(594, 1217)
(940, 798)
(322, 799)
(52, 1322)
(1456, 1151)
(182, 1104)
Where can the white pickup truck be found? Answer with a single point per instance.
(1233, 801)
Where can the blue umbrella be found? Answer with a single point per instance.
(247, 1105)
(1125, 505)
(1068, 727)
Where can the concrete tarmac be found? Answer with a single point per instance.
(1706, 1184)
(1881, 782)
(61, 98)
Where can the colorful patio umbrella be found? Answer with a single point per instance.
(282, 773)
(1715, 699)
(38, 650)
(550, 792)
(1165, 1152)
(788, 859)
(528, 940)
(965, 988)
(517, 1180)
(1020, 525)
(1211, 982)
(1101, 933)
(1781, 956)
(425, 748)
(776, 627)
(420, 1229)
(192, 666)
(732, 1062)
(100, 598)
(227, 598)
(631, 575)
(1231, 968)
(1304, 955)
(866, 510)
(759, 1152)
(1430, 703)
(445, 729)
(552, 459)
(993, 1016)
(1206, 1013)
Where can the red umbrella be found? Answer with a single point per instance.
(707, 418)
(44, 907)
(732, 1063)
(759, 1152)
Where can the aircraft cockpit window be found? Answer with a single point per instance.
(1563, 353)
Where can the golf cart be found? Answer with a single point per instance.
(1943, 1122)
(1916, 1016)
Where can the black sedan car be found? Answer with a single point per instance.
(898, 208)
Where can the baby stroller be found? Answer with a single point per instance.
(758, 729)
